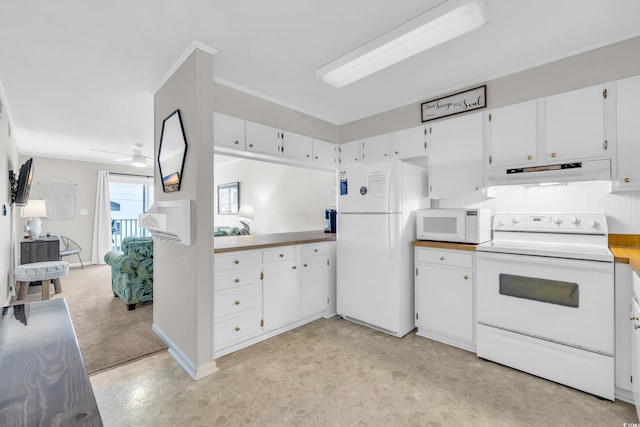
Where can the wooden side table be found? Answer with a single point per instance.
(39, 250)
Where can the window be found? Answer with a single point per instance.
(130, 196)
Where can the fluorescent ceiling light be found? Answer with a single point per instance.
(444, 22)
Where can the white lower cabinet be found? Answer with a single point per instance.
(623, 293)
(444, 288)
(635, 341)
(314, 275)
(261, 293)
(281, 290)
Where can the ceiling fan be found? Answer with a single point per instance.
(136, 157)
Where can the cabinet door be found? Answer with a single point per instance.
(455, 156)
(314, 279)
(635, 353)
(512, 135)
(628, 124)
(444, 301)
(296, 146)
(262, 139)
(408, 142)
(349, 153)
(324, 153)
(575, 124)
(375, 148)
(228, 131)
(281, 297)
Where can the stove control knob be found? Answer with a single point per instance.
(557, 220)
(575, 220)
(502, 222)
(593, 223)
(515, 220)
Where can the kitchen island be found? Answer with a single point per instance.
(266, 284)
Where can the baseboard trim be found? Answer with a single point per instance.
(194, 372)
(624, 395)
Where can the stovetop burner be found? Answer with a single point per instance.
(559, 235)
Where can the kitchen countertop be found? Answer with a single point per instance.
(261, 241)
(444, 245)
(626, 249)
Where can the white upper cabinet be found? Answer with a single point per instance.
(262, 139)
(575, 124)
(408, 142)
(375, 148)
(512, 135)
(296, 146)
(324, 153)
(628, 127)
(228, 131)
(455, 149)
(349, 153)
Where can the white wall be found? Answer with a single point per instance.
(622, 209)
(9, 156)
(287, 198)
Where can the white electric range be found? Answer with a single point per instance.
(545, 298)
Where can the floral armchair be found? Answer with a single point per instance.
(132, 270)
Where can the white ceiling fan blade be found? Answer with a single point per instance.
(111, 152)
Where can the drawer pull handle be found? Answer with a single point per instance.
(633, 318)
(281, 255)
(237, 329)
(294, 267)
(237, 302)
(237, 280)
(529, 157)
(304, 265)
(627, 180)
(237, 261)
(315, 250)
(466, 277)
(236, 142)
(636, 326)
(441, 258)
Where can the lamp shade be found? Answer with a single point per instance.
(247, 211)
(34, 208)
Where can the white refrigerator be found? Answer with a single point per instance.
(376, 225)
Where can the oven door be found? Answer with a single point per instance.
(562, 300)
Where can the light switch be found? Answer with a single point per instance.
(84, 212)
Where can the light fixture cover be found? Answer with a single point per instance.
(247, 211)
(138, 161)
(438, 25)
(34, 208)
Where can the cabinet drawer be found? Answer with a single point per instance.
(236, 329)
(235, 278)
(237, 300)
(313, 249)
(238, 259)
(445, 257)
(279, 254)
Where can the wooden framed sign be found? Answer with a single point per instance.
(457, 103)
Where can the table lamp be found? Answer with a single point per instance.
(34, 210)
(246, 214)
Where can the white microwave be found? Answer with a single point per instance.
(454, 225)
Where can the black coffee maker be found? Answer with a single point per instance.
(330, 220)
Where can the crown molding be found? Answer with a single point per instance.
(183, 57)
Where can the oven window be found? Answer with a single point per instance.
(551, 291)
(440, 225)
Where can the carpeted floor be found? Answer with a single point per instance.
(108, 334)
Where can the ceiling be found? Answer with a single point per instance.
(79, 75)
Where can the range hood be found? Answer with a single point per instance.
(590, 170)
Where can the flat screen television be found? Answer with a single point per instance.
(24, 183)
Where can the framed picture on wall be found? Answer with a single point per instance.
(228, 198)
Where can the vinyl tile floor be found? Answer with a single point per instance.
(332, 372)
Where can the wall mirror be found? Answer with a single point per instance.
(172, 152)
(228, 199)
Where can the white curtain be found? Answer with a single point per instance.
(102, 220)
